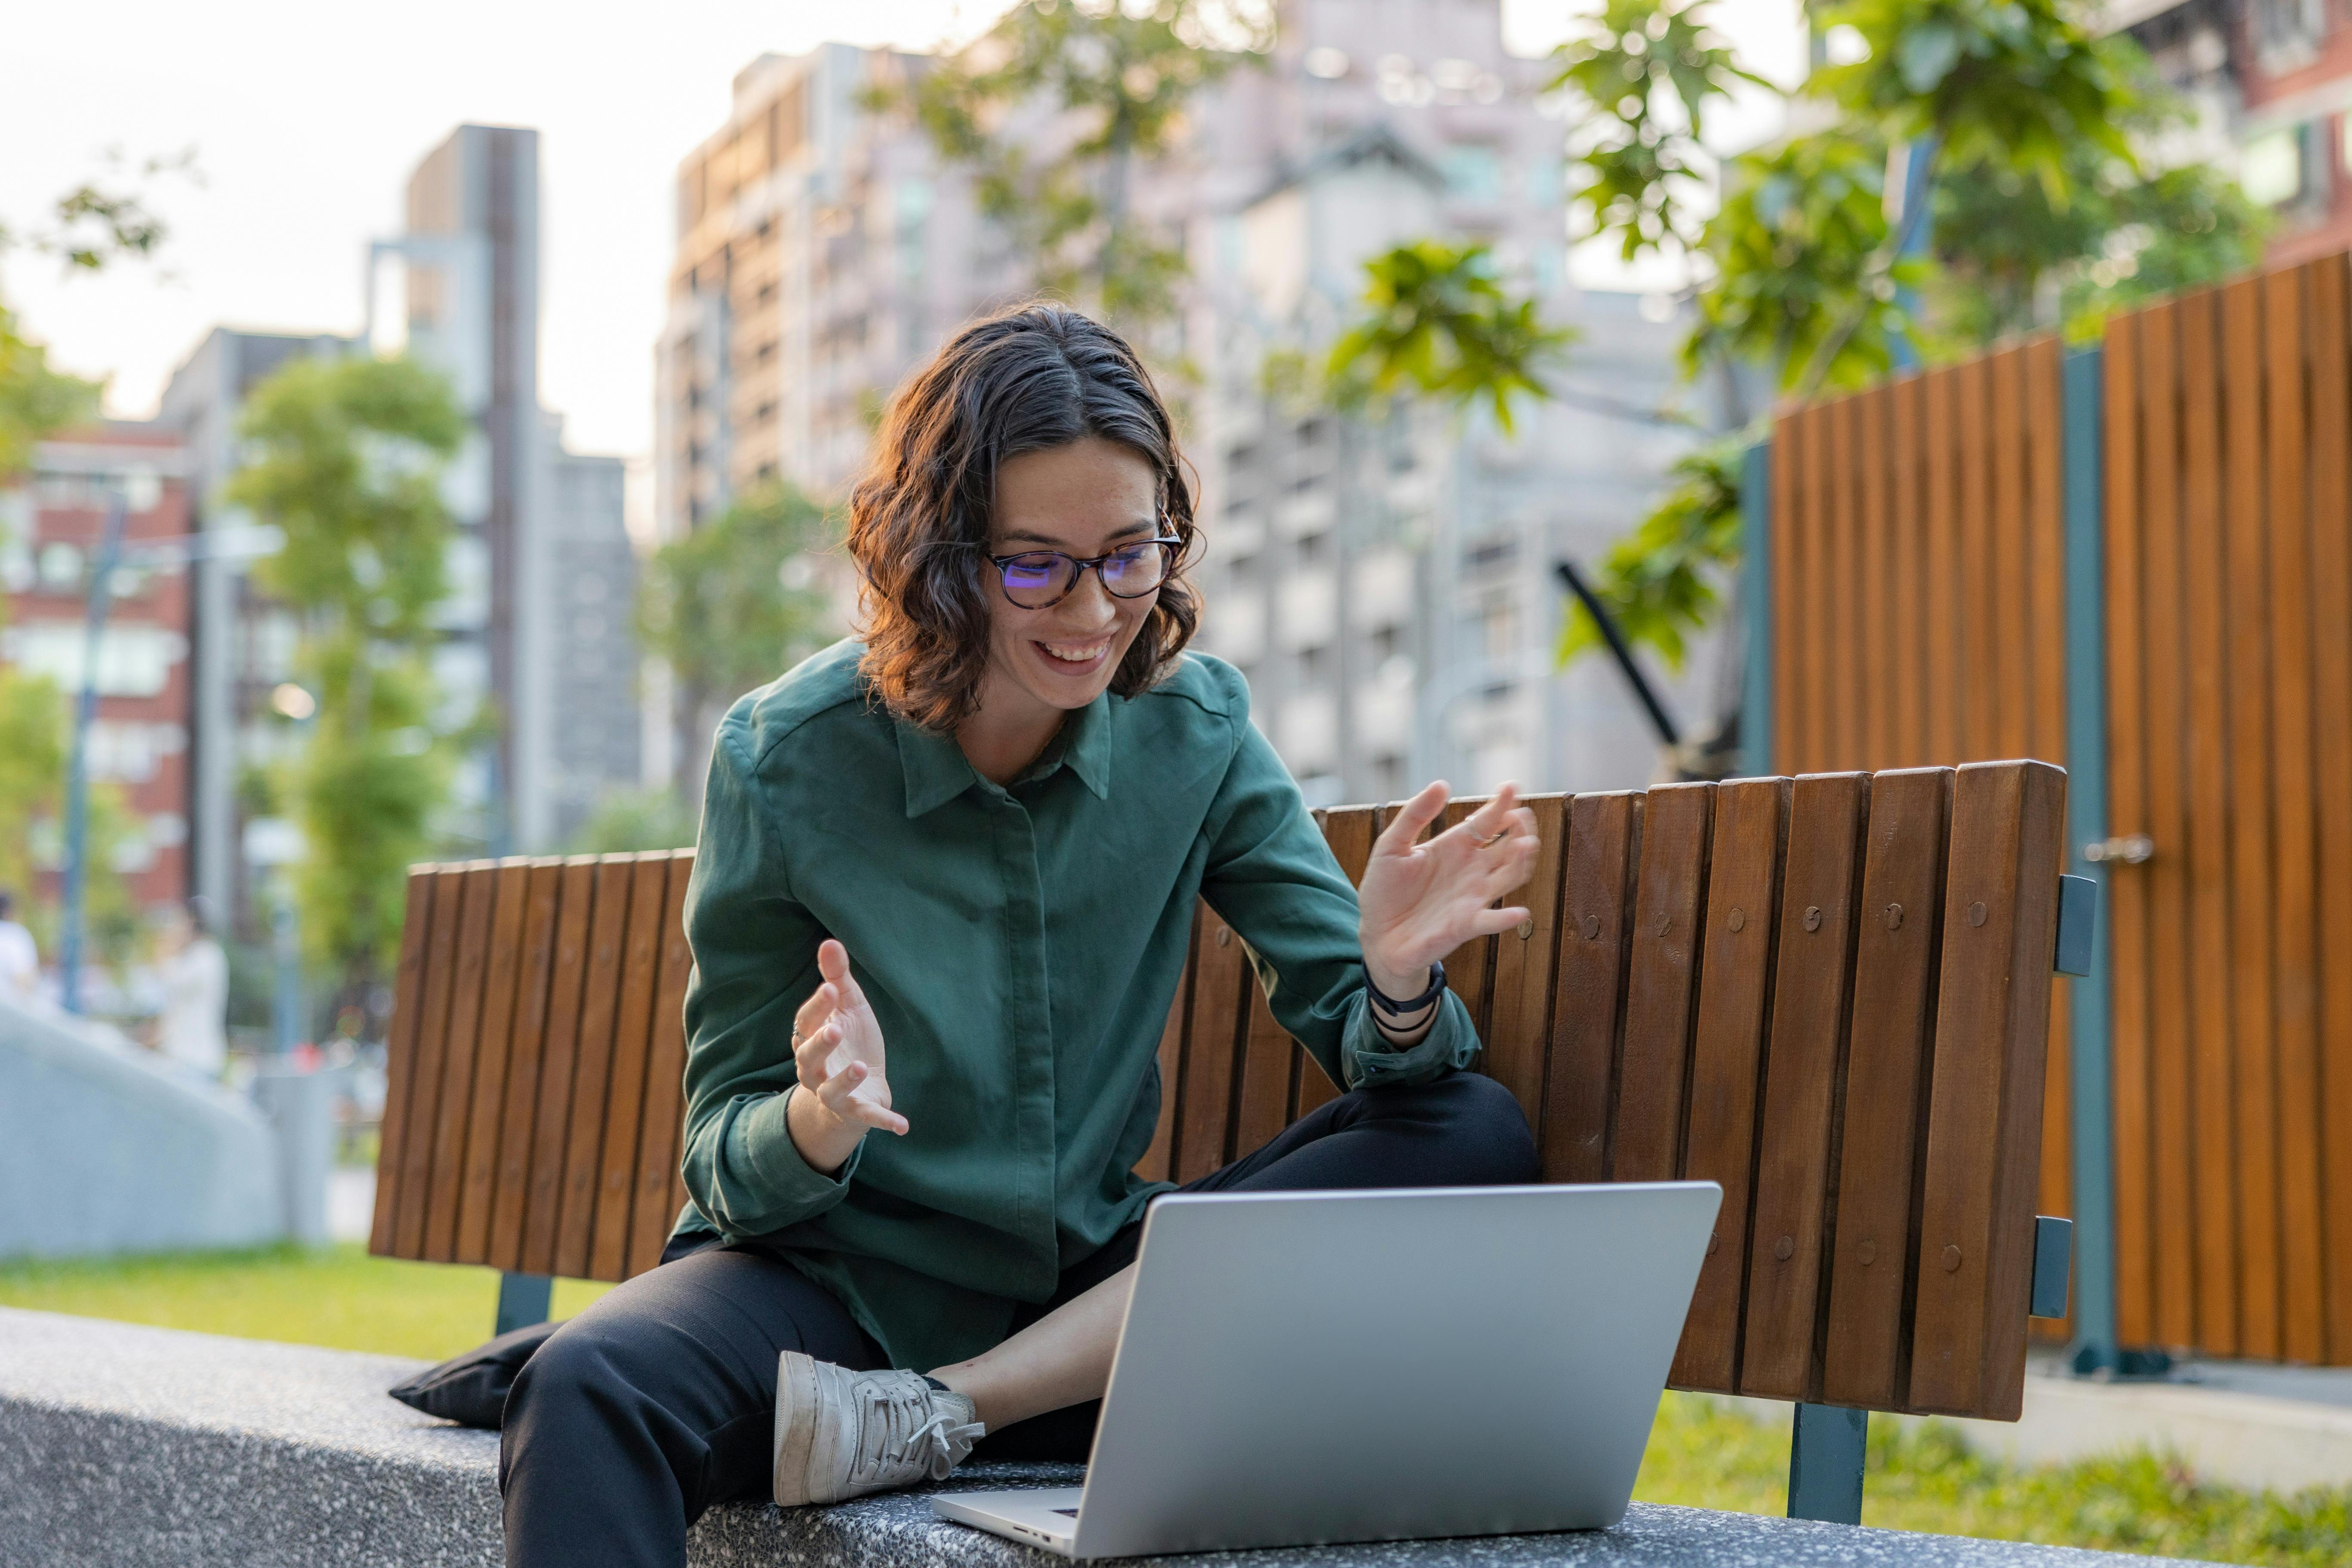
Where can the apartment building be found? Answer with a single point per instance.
(51, 531)
(1386, 584)
(2271, 80)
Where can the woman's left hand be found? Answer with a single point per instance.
(1420, 901)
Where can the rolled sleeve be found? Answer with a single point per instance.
(1371, 1062)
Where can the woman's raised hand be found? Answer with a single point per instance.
(838, 1053)
(1420, 901)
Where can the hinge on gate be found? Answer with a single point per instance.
(2078, 918)
(2054, 1266)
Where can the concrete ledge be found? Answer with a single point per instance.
(153, 1448)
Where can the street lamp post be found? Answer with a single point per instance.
(239, 543)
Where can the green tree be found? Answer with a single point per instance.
(2032, 211)
(1437, 320)
(736, 602)
(1116, 80)
(347, 456)
(633, 819)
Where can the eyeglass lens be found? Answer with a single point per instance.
(1041, 578)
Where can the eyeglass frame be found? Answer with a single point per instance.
(1170, 543)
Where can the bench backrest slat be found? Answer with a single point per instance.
(400, 1063)
(584, 1147)
(631, 1046)
(661, 1190)
(563, 1063)
(1896, 944)
(1603, 834)
(1812, 975)
(1661, 987)
(493, 1055)
(1221, 983)
(1829, 994)
(1733, 999)
(532, 1044)
(1974, 1260)
(1526, 960)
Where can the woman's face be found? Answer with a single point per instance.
(1085, 499)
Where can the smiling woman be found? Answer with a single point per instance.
(1035, 430)
(947, 880)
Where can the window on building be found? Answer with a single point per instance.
(1474, 174)
(1387, 643)
(1388, 777)
(2270, 167)
(1316, 666)
(1314, 548)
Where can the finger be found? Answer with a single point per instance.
(1411, 818)
(834, 959)
(1493, 922)
(840, 1095)
(813, 1012)
(1495, 816)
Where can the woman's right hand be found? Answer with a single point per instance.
(838, 1055)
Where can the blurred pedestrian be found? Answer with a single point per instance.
(194, 974)
(20, 960)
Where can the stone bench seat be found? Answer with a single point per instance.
(156, 1449)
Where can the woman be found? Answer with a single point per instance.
(943, 895)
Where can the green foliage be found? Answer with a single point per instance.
(1658, 583)
(32, 771)
(734, 604)
(1647, 71)
(347, 457)
(2012, 84)
(632, 819)
(1437, 319)
(1119, 78)
(1801, 263)
(34, 398)
(2039, 214)
(338, 1295)
(1920, 1477)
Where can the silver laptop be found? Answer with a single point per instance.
(1310, 1367)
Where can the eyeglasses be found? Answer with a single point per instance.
(1040, 579)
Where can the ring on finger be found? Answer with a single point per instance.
(1499, 835)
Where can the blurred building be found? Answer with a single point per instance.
(51, 526)
(531, 514)
(2272, 82)
(244, 644)
(1389, 588)
(541, 575)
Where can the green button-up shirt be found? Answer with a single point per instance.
(1020, 947)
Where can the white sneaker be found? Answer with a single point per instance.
(842, 1434)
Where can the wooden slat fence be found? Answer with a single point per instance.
(1917, 547)
(2229, 463)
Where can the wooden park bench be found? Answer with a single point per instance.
(1829, 994)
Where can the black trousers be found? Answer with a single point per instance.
(659, 1400)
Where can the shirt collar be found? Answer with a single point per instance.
(937, 770)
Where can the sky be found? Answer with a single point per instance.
(306, 121)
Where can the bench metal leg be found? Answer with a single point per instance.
(1825, 1463)
(523, 1300)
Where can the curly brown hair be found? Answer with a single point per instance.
(1035, 377)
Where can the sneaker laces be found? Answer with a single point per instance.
(913, 1433)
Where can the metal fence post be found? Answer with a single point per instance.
(1756, 609)
(523, 1300)
(1827, 1445)
(2094, 1348)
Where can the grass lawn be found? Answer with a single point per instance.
(1700, 1453)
